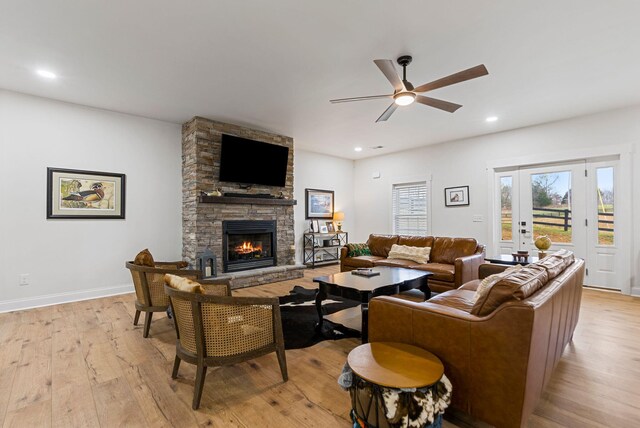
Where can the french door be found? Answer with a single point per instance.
(572, 204)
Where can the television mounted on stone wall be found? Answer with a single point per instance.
(253, 162)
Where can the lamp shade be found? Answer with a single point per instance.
(338, 216)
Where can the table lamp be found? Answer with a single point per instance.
(338, 216)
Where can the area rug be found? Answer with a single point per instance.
(299, 318)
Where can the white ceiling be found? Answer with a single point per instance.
(273, 65)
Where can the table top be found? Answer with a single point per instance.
(507, 259)
(395, 365)
(388, 276)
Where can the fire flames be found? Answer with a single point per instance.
(248, 248)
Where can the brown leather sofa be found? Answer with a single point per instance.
(499, 362)
(453, 261)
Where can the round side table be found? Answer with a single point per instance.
(382, 369)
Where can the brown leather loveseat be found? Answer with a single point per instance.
(453, 261)
(499, 351)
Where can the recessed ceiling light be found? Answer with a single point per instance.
(46, 74)
(358, 149)
(491, 118)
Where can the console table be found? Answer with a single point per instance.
(317, 254)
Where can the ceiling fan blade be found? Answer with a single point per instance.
(461, 76)
(442, 105)
(387, 68)
(387, 113)
(347, 100)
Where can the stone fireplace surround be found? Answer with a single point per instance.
(202, 217)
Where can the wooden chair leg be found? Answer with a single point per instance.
(136, 318)
(201, 373)
(147, 323)
(176, 366)
(282, 360)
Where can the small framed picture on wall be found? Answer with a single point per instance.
(456, 196)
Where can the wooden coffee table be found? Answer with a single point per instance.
(363, 289)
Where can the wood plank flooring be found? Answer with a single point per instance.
(84, 364)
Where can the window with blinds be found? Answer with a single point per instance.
(410, 208)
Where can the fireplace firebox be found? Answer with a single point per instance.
(248, 244)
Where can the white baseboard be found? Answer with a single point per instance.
(635, 291)
(58, 298)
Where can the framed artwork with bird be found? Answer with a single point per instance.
(73, 193)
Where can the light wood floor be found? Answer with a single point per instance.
(84, 364)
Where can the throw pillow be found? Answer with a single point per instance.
(144, 258)
(486, 284)
(407, 252)
(183, 284)
(355, 250)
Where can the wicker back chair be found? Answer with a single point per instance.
(148, 282)
(215, 329)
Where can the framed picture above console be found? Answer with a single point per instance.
(319, 203)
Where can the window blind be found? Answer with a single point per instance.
(410, 208)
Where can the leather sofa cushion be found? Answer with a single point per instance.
(514, 285)
(458, 299)
(415, 241)
(381, 244)
(471, 285)
(556, 263)
(441, 271)
(446, 250)
(361, 261)
(394, 263)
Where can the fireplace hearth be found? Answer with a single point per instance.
(248, 244)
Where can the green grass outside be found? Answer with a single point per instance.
(555, 233)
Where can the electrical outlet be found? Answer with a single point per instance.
(23, 279)
(477, 218)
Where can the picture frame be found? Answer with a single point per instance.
(316, 226)
(80, 194)
(319, 203)
(456, 196)
(324, 229)
(330, 227)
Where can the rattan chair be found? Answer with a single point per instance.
(148, 282)
(215, 329)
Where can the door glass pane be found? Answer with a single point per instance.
(506, 219)
(604, 179)
(551, 194)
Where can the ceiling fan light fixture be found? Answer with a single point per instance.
(404, 98)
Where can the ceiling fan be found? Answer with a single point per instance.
(405, 93)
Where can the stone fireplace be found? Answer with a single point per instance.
(206, 220)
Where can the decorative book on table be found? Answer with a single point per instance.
(365, 272)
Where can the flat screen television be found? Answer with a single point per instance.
(253, 162)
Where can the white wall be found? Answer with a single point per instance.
(74, 259)
(316, 171)
(464, 162)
